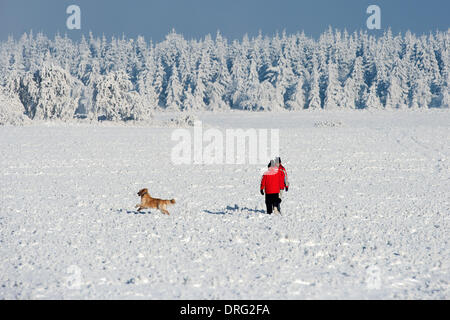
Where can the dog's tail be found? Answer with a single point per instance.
(168, 202)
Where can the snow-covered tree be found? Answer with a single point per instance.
(12, 110)
(372, 99)
(421, 94)
(334, 92)
(398, 91)
(122, 78)
(354, 87)
(446, 98)
(146, 90)
(215, 93)
(314, 101)
(115, 99)
(297, 98)
(50, 93)
(174, 91)
(158, 81)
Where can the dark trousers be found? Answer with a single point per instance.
(272, 200)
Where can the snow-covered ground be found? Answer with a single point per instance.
(367, 214)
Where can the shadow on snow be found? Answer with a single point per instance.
(234, 209)
(142, 212)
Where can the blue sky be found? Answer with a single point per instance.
(195, 18)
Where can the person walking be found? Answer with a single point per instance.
(271, 185)
(284, 184)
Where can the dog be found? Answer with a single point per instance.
(148, 202)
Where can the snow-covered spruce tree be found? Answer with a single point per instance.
(146, 90)
(265, 95)
(115, 98)
(188, 101)
(283, 77)
(199, 95)
(271, 91)
(349, 94)
(6, 49)
(11, 108)
(421, 94)
(64, 54)
(334, 92)
(445, 103)
(297, 98)
(50, 93)
(201, 77)
(355, 88)
(314, 101)
(270, 98)
(158, 81)
(439, 83)
(218, 89)
(83, 67)
(276, 96)
(372, 99)
(86, 106)
(446, 98)
(381, 81)
(250, 97)
(395, 97)
(215, 93)
(174, 91)
(239, 76)
(398, 91)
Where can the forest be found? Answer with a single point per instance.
(122, 79)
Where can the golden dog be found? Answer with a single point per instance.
(148, 202)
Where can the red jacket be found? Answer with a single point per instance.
(271, 181)
(283, 177)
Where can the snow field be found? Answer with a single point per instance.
(367, 214)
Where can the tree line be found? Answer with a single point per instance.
(129, 79)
